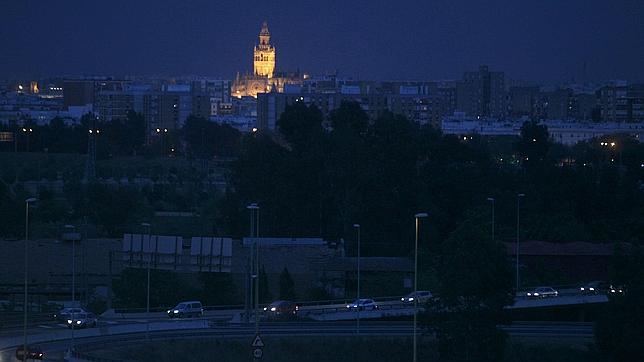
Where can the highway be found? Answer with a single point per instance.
(325, 319)
(54, 351)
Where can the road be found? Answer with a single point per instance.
(54, 351)
(40, 325)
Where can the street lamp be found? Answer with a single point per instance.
(357, 227)
(147, 302)
(491, 199)
(254, 230)
(417, 218)
(519, 196)
(71, 228)
(27, 202)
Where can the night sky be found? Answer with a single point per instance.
(546, 41)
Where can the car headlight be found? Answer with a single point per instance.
(529, 294)
(78, 322)
(536, 294)
(402, 299)
(175, 311)
(273, 309)
(265, 309)
(69, 321)
(411, 299)
(168, 311)
(582, 289)
(593, 289)
(348, 306)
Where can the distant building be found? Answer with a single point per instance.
(422, 102)
(80, 92)
(555, 103)
(621, 102)
(564, 132)
(482, 94)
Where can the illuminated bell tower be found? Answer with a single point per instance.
(264, 54)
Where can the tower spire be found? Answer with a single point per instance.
(264, 54)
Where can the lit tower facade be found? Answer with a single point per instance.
(264, 54)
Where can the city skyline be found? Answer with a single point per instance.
(537, 42)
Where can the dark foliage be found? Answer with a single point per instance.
(475, 283)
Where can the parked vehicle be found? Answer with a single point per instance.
(82, 320)
(422, 296)
(362, 304)
(543, 292)
(64, 314)
(281, 309)
(33, 352)
(186, 309)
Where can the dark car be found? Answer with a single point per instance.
(281, 309)
(542, 292)
(186, 309)
(362, 304)
(33, 352)
(593, 288)
(615, 290)
(422, 296)
(82, 320)
(64, 314)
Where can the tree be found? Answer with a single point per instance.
(265, 295)
(217, 289)
(166, 288)
(475, 283)
(205, 139)
(287, 286)
(301, 125)
(534, 143)
(619, 329)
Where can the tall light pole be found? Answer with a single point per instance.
(147, 300)
(24, 344)
(254, 211)
(519, 196)
(71, 227)
(491, 199)
(357, 227)
(417, 218)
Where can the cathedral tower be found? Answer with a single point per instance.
(264, 54)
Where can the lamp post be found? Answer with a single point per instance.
(147, 300)
(71, 227)
(491, 199)
(519, 196)
(254, 231)
(417, 218)
(24, 336)
(357, 227)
